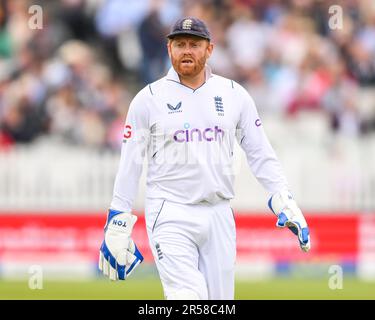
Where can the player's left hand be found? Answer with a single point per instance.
(119, 255)
(290, 215)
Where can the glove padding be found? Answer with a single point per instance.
(119, 255)
(289, 215)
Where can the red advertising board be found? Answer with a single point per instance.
(78, 236)
(332, 237)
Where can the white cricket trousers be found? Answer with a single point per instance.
(194, 247)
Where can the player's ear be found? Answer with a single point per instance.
(210, 48)
(169, 44)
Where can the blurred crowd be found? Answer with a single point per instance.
(73, 79)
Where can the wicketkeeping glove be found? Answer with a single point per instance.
(290, 215)
(119, 255)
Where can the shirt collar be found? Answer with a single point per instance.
(173, 75)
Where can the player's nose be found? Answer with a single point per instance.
(187, 50)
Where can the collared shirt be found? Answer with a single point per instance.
(188, 137)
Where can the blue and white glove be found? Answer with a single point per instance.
(290, 215)
(119, 255)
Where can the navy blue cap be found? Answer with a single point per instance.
(192, 26)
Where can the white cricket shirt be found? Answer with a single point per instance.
(188, 136)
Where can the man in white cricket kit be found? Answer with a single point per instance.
(185, 124)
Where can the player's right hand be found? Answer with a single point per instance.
(119, 255)
(290, 215)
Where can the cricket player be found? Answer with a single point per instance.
(186, 124)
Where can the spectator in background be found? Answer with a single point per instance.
(73, 14)
(282, 47)
(221, 59)
(62, 109)
(111, 19)
(313, 81)
(21, 123)
(247, 40)
(5, 41)
(339, 101)
(256, 84)
(152, 41)
(362, 64)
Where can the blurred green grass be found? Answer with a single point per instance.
(151, 289)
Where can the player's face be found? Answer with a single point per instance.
(188, 54)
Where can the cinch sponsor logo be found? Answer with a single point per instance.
(195, 134)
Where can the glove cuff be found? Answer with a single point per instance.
(281, 201)
(120, 221)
